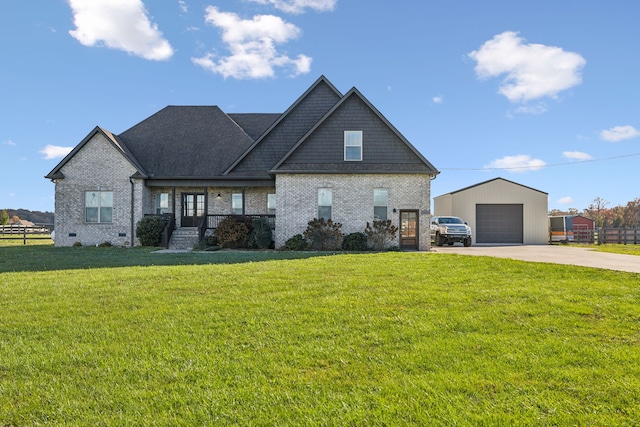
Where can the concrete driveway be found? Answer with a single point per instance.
(557, 254)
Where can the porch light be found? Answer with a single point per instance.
(219, 196)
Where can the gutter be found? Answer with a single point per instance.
(132, 211)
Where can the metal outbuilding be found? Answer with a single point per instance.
(499, 211)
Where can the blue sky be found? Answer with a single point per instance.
(543, 93)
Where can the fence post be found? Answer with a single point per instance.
(24, 240)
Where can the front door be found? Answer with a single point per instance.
(409, 230)
(192, 209)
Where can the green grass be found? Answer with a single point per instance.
(618, 249)
(349, 339)
(17, 239)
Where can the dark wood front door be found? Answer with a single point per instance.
(192, 209)
(409, 230)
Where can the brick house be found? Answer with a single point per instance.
(328, 155)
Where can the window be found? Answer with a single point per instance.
(380, 203)
(236, 204)
(162, 203)
(98, 206)
(325, 198)
(353, 145)
(271, 204)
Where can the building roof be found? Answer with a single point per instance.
(489, 181)
(205, 143)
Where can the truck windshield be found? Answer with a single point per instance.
(451, 221)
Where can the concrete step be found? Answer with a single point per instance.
(184, 238)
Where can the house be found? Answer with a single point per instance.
(15, 221)
(499, 211)
(329, 155)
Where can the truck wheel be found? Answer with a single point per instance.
(439, 240)
(467, 242)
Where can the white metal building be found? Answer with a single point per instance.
(499, 211)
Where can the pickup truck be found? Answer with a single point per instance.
(450, 229)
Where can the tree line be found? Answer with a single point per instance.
(37, 217)
(627, 216)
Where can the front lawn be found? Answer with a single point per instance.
(348, 339)
(618, 249)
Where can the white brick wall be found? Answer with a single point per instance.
(352, 201)
(98, 166)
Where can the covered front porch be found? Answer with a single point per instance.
(199, 209)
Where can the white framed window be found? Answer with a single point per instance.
(325, 200)
(236, 203)
(380, 204)
(353, 145)
(162, 203)
(98, 206)
(271, 204)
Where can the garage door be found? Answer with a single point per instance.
(497, 223)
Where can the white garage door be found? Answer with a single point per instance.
(496, 223)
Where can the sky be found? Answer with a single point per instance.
(545, 93)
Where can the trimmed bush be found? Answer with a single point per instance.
(232, 233)
(295, 243)
(149, 230)
(380, 234)
(261, 237)
(323, 235)
(355, 242)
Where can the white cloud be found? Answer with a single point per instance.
(577, 155)
(618, 133)
(532, 109)
(437, 99)
(520, 163)
(532, 70)
(565, 200)
(9, 142)
(183, 6)
(252, 45)
(55, 151)
(299, 6)
(119, 24)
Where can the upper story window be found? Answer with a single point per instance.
(98, 206)
(353, 145)
(236, 204)
(325, 200)
(162, 203)
(380, 203)
(271, 204)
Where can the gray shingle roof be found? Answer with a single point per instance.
(204, 143)
(194, 142)
(254, 124)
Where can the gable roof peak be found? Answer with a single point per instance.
(320, 80)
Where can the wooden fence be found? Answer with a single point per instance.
(21, 232)
(623, 236)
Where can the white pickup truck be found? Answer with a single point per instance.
(450, 229)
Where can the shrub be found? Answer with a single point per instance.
(355, 242)
(323, 235)
(105, 244)
(295, 243)
(77, 244)
(149, 230)
(261, 237)
(380, 234)
(232, 233)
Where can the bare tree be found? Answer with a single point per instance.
(596, 211)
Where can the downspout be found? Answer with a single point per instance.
(132, 212)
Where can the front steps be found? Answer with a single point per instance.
(184, 238)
